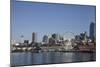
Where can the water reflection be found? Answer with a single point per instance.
(27, 58)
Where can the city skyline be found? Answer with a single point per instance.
(46, 19)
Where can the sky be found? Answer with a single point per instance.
(48, 18)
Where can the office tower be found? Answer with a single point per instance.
(83, 36)
(92, 32)
(45, 39)
(26, 42)
(34, 37)
(55, 38)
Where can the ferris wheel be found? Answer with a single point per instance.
(68, 35)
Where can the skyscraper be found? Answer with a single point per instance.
(34, 37)
(92, 33)
(55, 36)
(83, 36)
(26, 42)
(45, 39)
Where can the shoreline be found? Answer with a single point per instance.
(54, 51)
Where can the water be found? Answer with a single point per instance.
(27, 58)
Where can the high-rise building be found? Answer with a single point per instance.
(92, 32)
(26, 42)
(55, 36)
(34, 37)
(83, 36)
(45, 39)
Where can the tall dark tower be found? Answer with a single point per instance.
(92, 30)
(33, 37)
